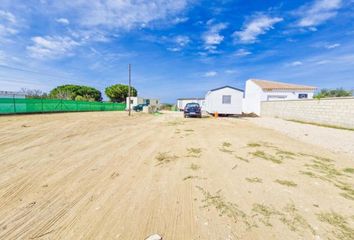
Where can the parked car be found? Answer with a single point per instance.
(192, 110)
(139, 107)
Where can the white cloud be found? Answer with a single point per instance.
(179, 20)
(8, 25)
(318, 12)
(296, 63)
(121, 14)
(322, 62)
(242, 52)
(230, 71)
(5, 15)
(212, 37)
(63, 21)
(182, 40)
(210, 74)
(174, 49)
(51, 47)
(331, 46)
(257, 25)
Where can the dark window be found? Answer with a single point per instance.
(192, 105)
(302, 95)
(226, 99)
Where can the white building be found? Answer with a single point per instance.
(182, 102)
(134, 101)
(262, 90)
(224, 100)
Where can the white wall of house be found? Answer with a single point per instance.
(218, 101)
(139, 100)
(181, 103)
(152, 101)
(254, 95)
(134, 101)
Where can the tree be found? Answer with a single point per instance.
(119, 92)
(76, 92)
(34, 93)
(339, 92)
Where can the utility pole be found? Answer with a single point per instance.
(130, 79)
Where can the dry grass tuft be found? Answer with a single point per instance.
(266, 213)
(266, 156)
(286, 183)
(288, 216)
(349, 170)
(165, 157)
(294, 221)
(194, 152)
(326, 171)
(254, 180)
(190, 177)
(254, 145)
(226, 144)
(189, 130)
(342, 230)
(194, 167)
(241, 158)
(225, 147)
(223, 207)
(175, 123)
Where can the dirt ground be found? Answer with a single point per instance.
(103, 175)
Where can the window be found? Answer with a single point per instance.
(302, 95)
(226, 99)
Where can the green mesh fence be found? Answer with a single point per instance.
(18, 105)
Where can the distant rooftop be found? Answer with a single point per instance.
(215, 89)
(191, 98)
(272, 85)
(12, 93)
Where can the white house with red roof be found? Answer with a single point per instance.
(257, 91)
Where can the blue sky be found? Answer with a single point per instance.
(178, 48)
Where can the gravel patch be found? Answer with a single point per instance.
(335, 140)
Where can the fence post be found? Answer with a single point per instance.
(42, 103)
(13, 99)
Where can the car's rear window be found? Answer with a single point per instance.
(192, 105)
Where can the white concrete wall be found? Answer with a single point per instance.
(254, 95)
(134, 101)
(181, 103)
(331, 111)
(252, 101)
(213, 101)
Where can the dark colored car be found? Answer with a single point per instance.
(192, 110)
(139, 107)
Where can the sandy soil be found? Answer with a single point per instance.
(106, 176)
